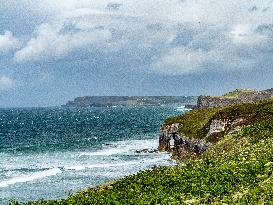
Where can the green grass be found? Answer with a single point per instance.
(236, 170)
(195, 123)
(237, 92)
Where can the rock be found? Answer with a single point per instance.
(240, 96)
(217, 126)
(191, 107)
(147, 151)
(236, 125)
(185, 144)
(182, 144)
(166, 134)
(217, 129)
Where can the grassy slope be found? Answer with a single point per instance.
(237, 92)
(193, 121)
(196, 122)
(237, 170)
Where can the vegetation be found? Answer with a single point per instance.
(237, 92)
(193, 122)
(236, 170)
(196, 122)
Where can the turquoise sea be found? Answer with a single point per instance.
(53, 152)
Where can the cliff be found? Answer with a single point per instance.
(104, 101)
(235, 167)
(237, 96)
(196, 131)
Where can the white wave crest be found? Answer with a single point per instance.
(30, 177)
(122, 147)
(93, 166)
(82, 167)
(106, 152)
(181, 108)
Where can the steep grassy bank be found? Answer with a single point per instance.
(195, 124)
(236, 170)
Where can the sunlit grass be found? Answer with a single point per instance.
(236, 170)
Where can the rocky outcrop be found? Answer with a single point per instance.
(171, 140)
(167, 133)
(204, 102)
(217, 128)
(220, 101)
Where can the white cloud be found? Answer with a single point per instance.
(8, 42)
(51, 41)
(188, 36)
(6, 82)
(83, 28)
(209, 50)
(245, 34)
(181, 61)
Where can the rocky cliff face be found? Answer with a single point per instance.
(171, 140)
(220, 101)
(204, 127)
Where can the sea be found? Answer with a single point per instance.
(51, 153)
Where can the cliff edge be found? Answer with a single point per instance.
(194, 132)
(237, 96)
(229, 160)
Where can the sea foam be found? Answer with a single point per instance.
(124, 147)
(92, 166)
(108, 165)
(30, 177)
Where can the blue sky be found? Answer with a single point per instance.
(53, 51)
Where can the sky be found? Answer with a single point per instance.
(52, 51)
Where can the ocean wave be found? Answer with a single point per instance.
(82, 167)
(181, 108)
(105, 152)
(108, 165)
(124, 147)
(30, 177)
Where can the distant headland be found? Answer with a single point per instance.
(237, 96)
(110, 101)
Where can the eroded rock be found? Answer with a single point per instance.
(184, 145)
(167, 133)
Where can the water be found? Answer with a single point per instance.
(51, 152)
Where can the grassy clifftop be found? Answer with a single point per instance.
(236, 170)
(195, 123)
(237, 92)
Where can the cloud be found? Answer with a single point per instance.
(214, 49)
(8, 42)
(181, 61)
(245, 34)
(6, 82)
(180, 37)
(87, 28)
(57, 41)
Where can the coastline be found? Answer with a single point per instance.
(227, 155)
(87, 147)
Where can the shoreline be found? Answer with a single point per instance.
(238, 158)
